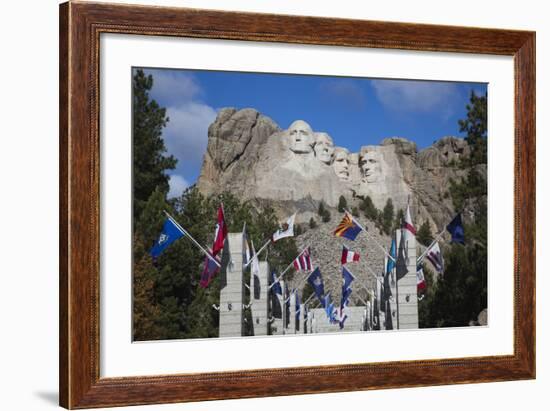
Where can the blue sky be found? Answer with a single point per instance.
(354, 111)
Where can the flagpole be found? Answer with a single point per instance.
(290, 265)
(366, 231)
(308, 300)
(360, 299)
(179, 227)
(257, 253)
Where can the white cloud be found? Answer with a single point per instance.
(186, 134)
(177, 185)
(417, 96)
(174, 87)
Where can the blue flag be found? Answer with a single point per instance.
(347, 277)
(170, 233)
(456, 229)
(393, 253)
(329, 308)
(316, 281)
(276, 287)
(297, 300)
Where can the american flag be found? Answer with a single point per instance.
(303, 261)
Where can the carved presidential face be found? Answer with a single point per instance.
(369, 163)
(301, 137)
(324, 147)
(341, 163)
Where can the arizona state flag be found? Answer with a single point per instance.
(348, 227)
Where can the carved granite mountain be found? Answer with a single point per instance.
(295, 169)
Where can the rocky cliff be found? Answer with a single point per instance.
(296, 168)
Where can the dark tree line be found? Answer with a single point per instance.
(457, 297)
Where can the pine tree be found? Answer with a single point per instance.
(149, 158)
(312, 223)
(371, 212)
(342, 204)
(424, 234)
(475, 126)
(387, 216)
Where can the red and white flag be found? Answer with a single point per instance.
(407, 224)
(303, 261)
(221, 232)
(420, 280)
(349, 256)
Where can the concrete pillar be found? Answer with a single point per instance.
(309, 322)
(232, 290)
(301, 320)
(259, 294)
(291, 329)
(407, 300)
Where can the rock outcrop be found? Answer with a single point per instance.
(295, 169)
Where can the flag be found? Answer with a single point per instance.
(349, 256)
(276, 285)
(376, 309)
(170, 233)
(221, 232)
(316, 281)
(420, 280)
(303, 261)
(388, 316)
(407, 224)
(456, 229)
(390, 265)
(347, 279)
(342, 321)
(329, 308)
(286, 230)
(297, 305)
(255, 290)
(254, 265)
(276, 291)
(286, 299)
(246, 247)
(435, 257)
(348, 227)
(209, 271)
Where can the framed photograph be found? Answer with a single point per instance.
(254, 204)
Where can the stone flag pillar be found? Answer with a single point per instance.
(291, 329)
(309, 322)
(407, 300)
(232, 289)
(301, 320)
(259, 294)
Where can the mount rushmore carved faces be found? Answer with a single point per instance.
(369, 163)
(324, 147)
(301, 137)
(341, 163)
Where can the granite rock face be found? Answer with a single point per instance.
(295, 169)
